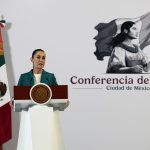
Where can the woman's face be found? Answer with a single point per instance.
(133, 32)
(39, 60)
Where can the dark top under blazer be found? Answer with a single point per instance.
(27, 79)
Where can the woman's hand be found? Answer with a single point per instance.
(137, 69)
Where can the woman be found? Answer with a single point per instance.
(37, 74)
(127, 57)
(39, 120)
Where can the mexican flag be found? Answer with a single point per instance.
(5, 109)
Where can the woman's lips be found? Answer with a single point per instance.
(41, 64)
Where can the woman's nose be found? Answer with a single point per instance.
(41, 59)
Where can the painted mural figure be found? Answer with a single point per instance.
(124, 40)
(127, 57)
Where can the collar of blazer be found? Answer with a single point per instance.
(31, 78)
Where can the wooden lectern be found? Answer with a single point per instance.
(40, 121)
(22, 99)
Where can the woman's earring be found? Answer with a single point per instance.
(125, 31)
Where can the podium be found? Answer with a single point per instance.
(40, 123)
(22, 99)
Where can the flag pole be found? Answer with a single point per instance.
(1, 145)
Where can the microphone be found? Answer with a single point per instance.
(31, 80)
(47, 80)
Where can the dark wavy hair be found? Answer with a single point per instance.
(35, 51)
(119, 38)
